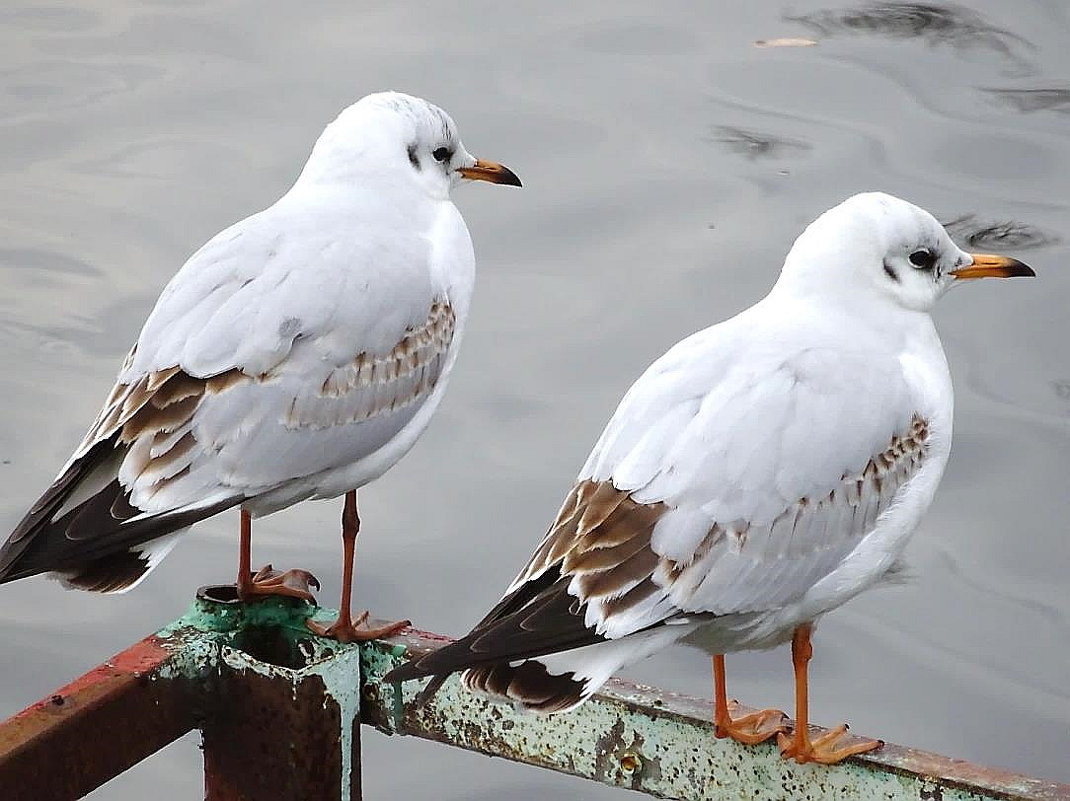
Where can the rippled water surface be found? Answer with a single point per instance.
(668, 164)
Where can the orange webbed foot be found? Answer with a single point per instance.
(753, 728)
(294, 583)
(345, 630)
(825, 750)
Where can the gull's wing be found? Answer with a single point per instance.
(730, 479)
(269, 359)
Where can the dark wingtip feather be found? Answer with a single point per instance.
(91, 545)
(112, 573)
(538, 618)
(407, 672)
(529, 685)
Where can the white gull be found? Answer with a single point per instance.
(758, 475)
(299, 354)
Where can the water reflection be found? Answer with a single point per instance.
(1029, 100)
(1006, 234)
(935, 24)
(51, 86)
(65, 20)
(755, 144)
(41, 260)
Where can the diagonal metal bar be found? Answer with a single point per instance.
(278, 708)
(97, 726)
(662, 744)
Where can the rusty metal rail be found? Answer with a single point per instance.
(280, 712)
(54, 748)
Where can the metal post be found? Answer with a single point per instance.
(283, 714)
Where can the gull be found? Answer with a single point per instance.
(299, 354)
(759, 474)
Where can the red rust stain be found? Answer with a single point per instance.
(140, 658)
(419, 634)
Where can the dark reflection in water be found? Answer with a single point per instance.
(936, 24)
(1029, 100)
(44, 261)
(1007, 234)
(755, 144)
(955, 567)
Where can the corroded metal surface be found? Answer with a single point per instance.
(662, 744)
(97, 726)
(282, 706)
(280, 711)
(276, 732)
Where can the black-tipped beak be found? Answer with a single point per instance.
(988, 266)
(490, 171)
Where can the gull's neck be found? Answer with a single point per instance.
(873, 316)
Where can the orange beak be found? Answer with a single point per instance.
(490, 171)
(988, 266)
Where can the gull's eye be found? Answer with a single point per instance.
(442, 154)
(923, 259)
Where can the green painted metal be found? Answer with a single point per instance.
(662, 744)
(631, 736)
(306, 683)
(255, 677)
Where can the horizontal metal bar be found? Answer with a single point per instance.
(662, 744)
(97, 726)
(222, 665)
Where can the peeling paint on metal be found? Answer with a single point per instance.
(662, 744)
(629, 735)
(344, 686)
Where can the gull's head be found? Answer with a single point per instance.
(401, 140)
(877, 247)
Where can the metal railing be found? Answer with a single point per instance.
(257, 683)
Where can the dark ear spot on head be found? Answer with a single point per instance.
(415, 162)
(890, 272)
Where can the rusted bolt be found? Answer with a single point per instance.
(630, 762)
(58, 700)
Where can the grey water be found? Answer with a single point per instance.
(668, 162)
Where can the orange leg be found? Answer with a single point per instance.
(757, 727)
(345, 629)
(291, 583)
(825, 749)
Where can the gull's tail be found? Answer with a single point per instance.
(85, 530)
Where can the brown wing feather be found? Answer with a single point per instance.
(600, 546)
(371, 385)
(63, 529)
(146, 425)
(43, 543)
(602, 535)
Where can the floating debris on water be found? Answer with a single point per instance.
(974, 232)
(786, 41)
